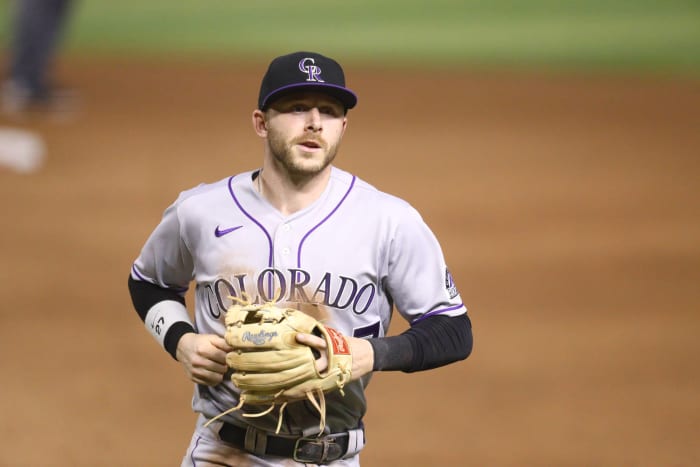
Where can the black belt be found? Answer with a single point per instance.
(314, 450)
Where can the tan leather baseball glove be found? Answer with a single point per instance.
(271, 368)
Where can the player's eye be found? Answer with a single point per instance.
(329, 110)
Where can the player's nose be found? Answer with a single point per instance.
(313, 119)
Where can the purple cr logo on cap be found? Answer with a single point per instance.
(312, 70)
(319, 74)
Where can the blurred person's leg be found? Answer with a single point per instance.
(36, 32)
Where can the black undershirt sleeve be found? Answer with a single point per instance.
(430, 343)
(144, 295)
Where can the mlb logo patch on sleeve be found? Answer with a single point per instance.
(450, 284)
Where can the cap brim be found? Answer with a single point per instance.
(344, 95)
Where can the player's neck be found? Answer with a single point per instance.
(289, 196)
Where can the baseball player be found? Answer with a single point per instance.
(302, 232)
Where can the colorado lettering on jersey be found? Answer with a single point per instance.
(294, 285)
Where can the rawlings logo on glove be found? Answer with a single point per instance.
(271, 368)
(260, 338)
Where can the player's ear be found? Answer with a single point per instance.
(259, 123)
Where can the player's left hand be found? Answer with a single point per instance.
(361, 349)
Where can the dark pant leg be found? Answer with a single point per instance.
(37, 29)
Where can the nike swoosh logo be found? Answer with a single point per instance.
(221, 232)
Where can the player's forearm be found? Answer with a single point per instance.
(431, 343)
(145, 296)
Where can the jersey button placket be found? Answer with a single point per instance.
(284, 241)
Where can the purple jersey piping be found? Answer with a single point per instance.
(269, 239)
(196, 445)
(133, 269)
(301, 244)
(143, 279)
(437, 312)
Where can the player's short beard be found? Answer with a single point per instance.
(282, 152)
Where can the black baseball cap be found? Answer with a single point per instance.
(304, 71)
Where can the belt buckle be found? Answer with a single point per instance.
(321, 450)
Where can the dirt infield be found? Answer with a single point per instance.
(567, 207)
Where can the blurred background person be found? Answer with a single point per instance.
(36, 30)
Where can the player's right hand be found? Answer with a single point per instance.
(203, 356)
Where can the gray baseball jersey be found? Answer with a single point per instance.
(349, 258)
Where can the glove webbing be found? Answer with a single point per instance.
(316, 397)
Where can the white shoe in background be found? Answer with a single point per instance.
(21, 150)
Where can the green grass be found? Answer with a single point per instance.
(651, 35)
